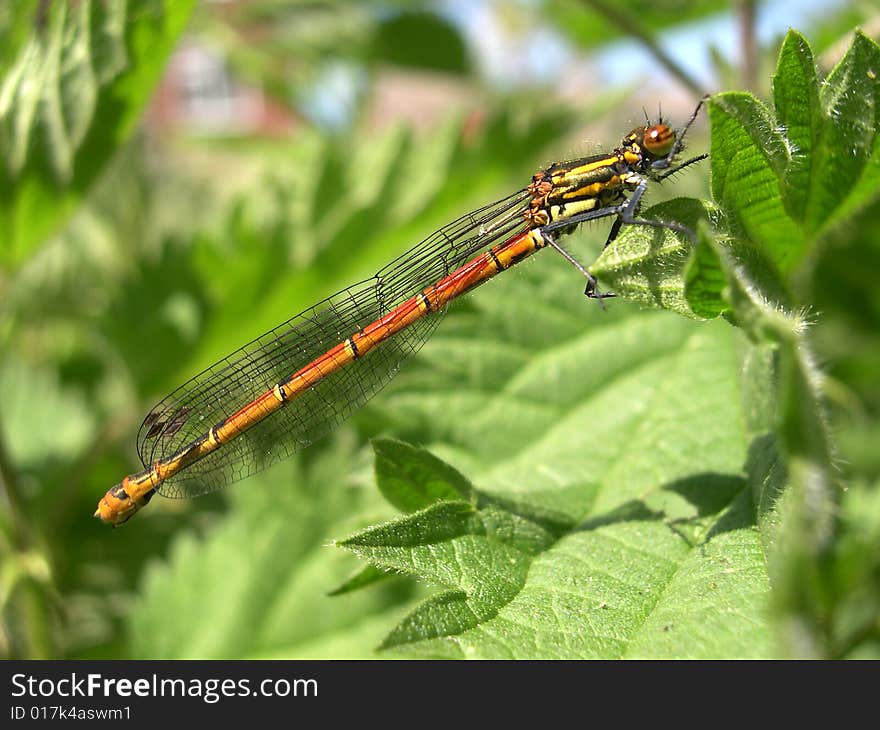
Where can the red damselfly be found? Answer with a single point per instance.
(291, 386)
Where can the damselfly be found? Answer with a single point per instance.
(291, 386)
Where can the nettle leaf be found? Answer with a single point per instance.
(647, 263)
(68, 99)
(615, 514)
(412, 478)
(712, 287)
(782, 210)
(850, 100)
(366, 576)
(749, 157)
(704, 278)
(806, 523)
(853, 89)
(796, 100)
(784, 182)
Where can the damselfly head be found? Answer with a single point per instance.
(654, 141)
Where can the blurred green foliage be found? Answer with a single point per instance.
(72, 93)
(623, 483)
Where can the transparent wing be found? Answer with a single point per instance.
(233, 382)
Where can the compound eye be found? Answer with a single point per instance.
(659, 140)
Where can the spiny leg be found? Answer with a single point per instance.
(592, 287)
(627, 213)
(683, 165)
(612, 234)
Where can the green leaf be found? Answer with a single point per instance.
(411, 478)
(862, 194)
(68, 101)
(708, 280)
(749, 158)
(368, 575)
(796, 99)
(626, 585)
(704, 279)
(850, 101)
(806, 529)
(784, 183)
(621, 522)
(851, 105)
(647, 263)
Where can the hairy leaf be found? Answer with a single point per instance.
(626, 527)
